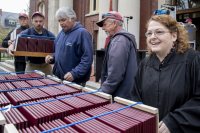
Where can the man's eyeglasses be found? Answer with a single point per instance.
(156, 33)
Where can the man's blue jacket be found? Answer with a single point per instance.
(73, 53)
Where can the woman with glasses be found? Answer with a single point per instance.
(169, 78)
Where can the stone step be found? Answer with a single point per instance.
(11, 62)
(2, 69)
(93, 85)
(7, 66)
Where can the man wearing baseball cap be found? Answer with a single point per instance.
(38, 30)
(37, 14)
(8, 42)
(120, 62)
(112, 15)
(188, 20)
(23, 15)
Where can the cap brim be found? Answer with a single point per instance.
(37, 14)
(100, 22)
(23, 17)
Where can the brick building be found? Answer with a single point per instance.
(89, 12)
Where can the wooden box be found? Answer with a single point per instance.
(33, 46)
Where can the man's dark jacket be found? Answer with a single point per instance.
(20, 61)
(120, 65)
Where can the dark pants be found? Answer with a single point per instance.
(20, 66)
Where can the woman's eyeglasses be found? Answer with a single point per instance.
(156, 33)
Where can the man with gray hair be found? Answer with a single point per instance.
(120, 62)
(73, 55)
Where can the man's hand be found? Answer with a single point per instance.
(163, 128)
(48, 59)
(10, 49)
(10, 42)
(69, 77)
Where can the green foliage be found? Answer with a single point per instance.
(3, 33)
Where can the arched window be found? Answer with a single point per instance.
(41, 8)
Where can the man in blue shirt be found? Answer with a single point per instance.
(73, 55)
(38, 63)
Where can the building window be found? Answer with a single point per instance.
(186, 4)
(10, 23)
(94, 4)
(41, 8)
